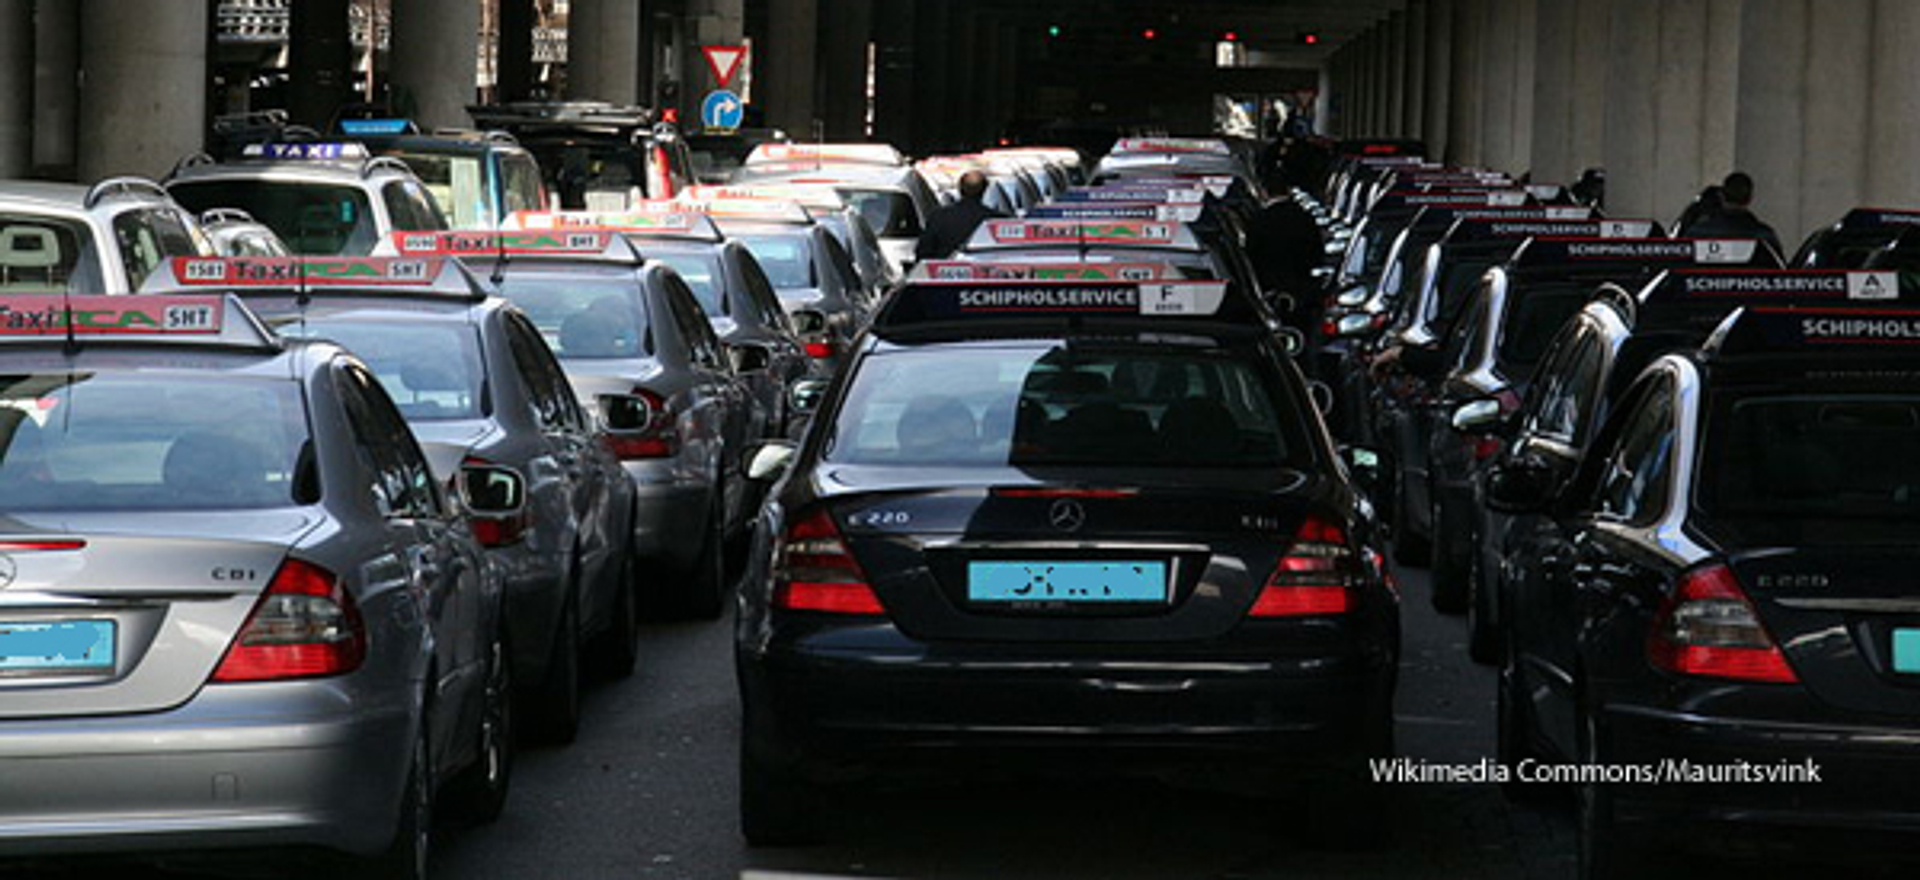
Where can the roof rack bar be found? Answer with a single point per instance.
(127, 185)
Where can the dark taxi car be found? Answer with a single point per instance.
(1735, 601)
(1042, 519)
(1504, 328)
(480, 389)
(1853, 240)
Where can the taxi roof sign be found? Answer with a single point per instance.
(1877, 218)
(1490, 228)
(809, 195)
(953, 270)
(1694, 289)
(1006, 234)
(435, 276)
(753, 210)
(1776, 330)
(1553, 253)
(1171, 145)
(177, 320)
(1172, 194)
(864, 154)
(929, 303)
(584, 243)
(300, 151)
(652, 220)
(1141, 210)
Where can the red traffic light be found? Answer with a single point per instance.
(1310, 38)
(1230, 36)
(1149, 34)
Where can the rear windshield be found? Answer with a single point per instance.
(1534, 316)
(890, 213)
(701, 272)
(314, 219)
(46, 255)
(786, 259)
(583, 316)
(132, 442)
(1060, 404)
(458, 183)
(1795, 458)
(432, 370)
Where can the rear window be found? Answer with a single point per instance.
(1791, 458)
(702, 274)
(45, 255)
(786, 259)
(583, 316)
(132, 442)
(314, 219)
(1533, 318)
(1079, 404)
(432, 371)
(458, 184)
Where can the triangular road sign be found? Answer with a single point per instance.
(724, 61)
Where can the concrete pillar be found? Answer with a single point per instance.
(1773, 112)
(16, 88)
(894, 69)
(434, 59)
(1631, 124)
(1521, 36)
(1413, 79)
(1380, 79)
(1834, 144)
(56, 85)
(1679, 105)
(1592, 65)
(144, 102)
(932, 74)
(320, 59)
(1437, 112)
(1370, 56)
(1722, 88)
(1467, 95)
(846, 27)
(513, 65)
(1497, 72)
(1396, 78)
(963, 71)
(1892, 175)
(603, 51)
(1006, 74)
(1553, 107)
(790, 56)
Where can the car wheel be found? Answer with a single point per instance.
(617, 651)
(776, 806)
(556, 719)
(1486, 641)
(1408, 548)
(1513, 734)
(406, 857)
(480, 792)
(1449, 568)
(706, 596)
(1606, 852)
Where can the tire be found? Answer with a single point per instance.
(776, 804)
(556, 706)
(1450, 571)
(1513, 736)
(479, 793)
(1606, 851)
(617, 651)
(1408, 548)
(407, 856)
(706, 596)
(1486, 640)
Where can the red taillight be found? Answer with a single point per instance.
(1709, 628)
(304, 626)
(816, 572)
(821, 348)
(660, 438)
(1314, 579)
(39, 545)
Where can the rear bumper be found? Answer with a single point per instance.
(255, 765)
(1778, 775)
(671, 514)
(908, 703)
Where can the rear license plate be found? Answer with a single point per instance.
(1906, 650)
(1067, 582)
(83, 646)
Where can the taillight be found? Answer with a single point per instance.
(1314, 579)
(659, 439)
(41, 545)
(1709, 628)
(816, 572)
(304, 626)
(820, 348)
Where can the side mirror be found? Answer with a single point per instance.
(1291, 341)
(627, 413)
(1477, 416)
(1353, 297)
(1353, 325)
(748, 357)
(805, 395)
(491, 490)
(1525, 484)
(809, 322)
(771, 460)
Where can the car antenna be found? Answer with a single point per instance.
(499, 265)
(302, 296)
(72, 346)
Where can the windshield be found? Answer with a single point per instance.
(786, 259)
(142, 441)
(1067, 404)
(458, 183)
(314, 219)
(583, 315)
(1815, 457)
(432, 370)
(702, 274)
(46, 255)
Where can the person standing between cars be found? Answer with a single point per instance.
(949, 227)
(1734, 218)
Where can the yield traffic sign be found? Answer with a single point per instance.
(724, 61)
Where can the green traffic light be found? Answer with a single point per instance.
(1053, 30)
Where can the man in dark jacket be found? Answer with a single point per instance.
(1734, 218)
(949, 227)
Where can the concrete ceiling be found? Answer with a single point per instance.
(1272, 27)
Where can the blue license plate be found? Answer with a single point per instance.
(1090, 583)
(56, 646)
(1906, 650)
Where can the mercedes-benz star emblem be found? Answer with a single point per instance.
(1067, 515)
(8, 571)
